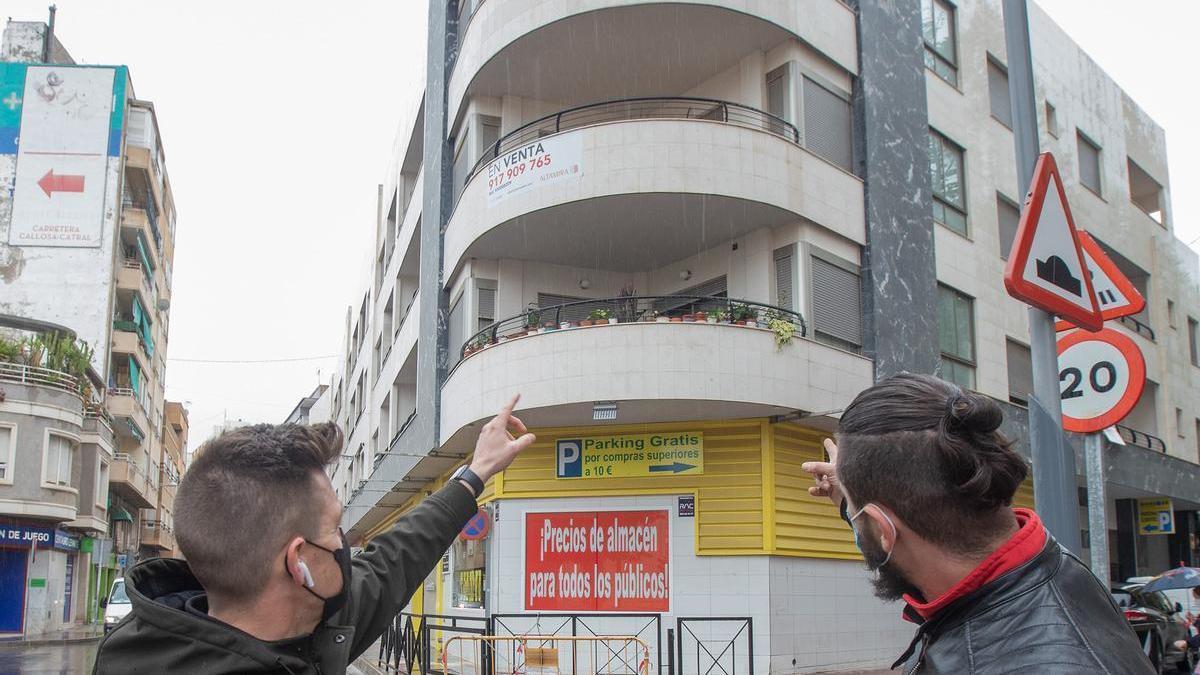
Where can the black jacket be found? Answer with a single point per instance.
(1050, 616)
(169, 631)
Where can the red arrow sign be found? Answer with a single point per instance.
(51, 183)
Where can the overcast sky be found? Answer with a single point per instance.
(278, 118)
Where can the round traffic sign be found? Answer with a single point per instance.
(477, 527)
(1100, 376)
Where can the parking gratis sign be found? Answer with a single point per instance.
(630, 455)
(541, 162)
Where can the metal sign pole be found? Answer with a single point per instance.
(1053, 460)
(1093, 450)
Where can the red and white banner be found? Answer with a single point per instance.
(598, 561)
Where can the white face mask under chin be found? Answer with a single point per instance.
(895, 534)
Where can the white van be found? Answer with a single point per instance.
(117, 605)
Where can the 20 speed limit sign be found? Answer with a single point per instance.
(1101, 377)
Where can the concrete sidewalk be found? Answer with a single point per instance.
(73, 635)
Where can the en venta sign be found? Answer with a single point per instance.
(539, 163)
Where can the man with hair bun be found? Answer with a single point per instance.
(925, 480)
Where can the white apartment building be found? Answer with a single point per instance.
(704, 227)
(87, 243)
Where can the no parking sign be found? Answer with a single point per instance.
(477, 527)
(1101, 377)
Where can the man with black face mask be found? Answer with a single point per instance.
(924, 478)
(269, 585)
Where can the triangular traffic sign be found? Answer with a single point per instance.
(1046, 267)
(1115, 293)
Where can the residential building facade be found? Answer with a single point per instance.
(689, 238)
(87, 236)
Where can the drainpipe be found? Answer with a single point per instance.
(49, 38)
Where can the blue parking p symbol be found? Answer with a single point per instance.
(569, 458)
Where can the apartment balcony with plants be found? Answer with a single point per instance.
(46, 383)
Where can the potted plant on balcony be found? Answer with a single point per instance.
(782, 327)
(700, 317)
(601, 316)
(743, 315)
(717, 316)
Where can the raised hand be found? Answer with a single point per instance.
(825, 475)
(497, 446)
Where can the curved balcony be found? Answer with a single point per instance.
(607, 39)
(655, 356)
(655, 176)
(33, 376)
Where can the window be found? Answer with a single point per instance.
(937, 26)
(390, 226)
(8, 452)
(956, 337)
(461, 163)
(58, 462)
(836, 302)
(1089, 162)
(485, 303)
(377, 358)
(1020, 373)
(1179, 423)
(784, 273)
(1198, 440)
(385, 431)
(949, 194)
(1008, 217)
(1171, 313)
(998, 92)
(1145, 192)
(713, 288)
(468, 561)
(101, 490)
(1051, 119)
(1193, 347)
(778, 94)
(489, 135)
(389, 315)
(827, 124)
(457, 330)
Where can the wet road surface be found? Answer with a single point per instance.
(48, 659)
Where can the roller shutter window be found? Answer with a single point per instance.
(457, 330)
(1089, 162)
(713, 288)
(784, 273)
(573, 314)
(486, 309)
(827, 124)
(1008, 217)
(1020, 373)
(998, 92)
(836, 305)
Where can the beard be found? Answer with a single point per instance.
(889, 582)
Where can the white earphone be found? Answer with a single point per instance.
(308, 580)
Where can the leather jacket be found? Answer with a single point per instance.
(1050, 616)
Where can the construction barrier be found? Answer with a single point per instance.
(545, 655)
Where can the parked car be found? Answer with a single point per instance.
(1183, 596)
(1159, 623)
(116, 606)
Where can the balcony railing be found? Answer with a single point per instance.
(677, 108)
(1138, 327)
(392, 443)
(95, 410)
(45, 377)
(634, 309)
(128, 458)
(1142, 439)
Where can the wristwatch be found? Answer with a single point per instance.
(466, 475)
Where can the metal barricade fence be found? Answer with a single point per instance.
(545, 655)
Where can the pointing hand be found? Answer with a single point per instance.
(497, 447)
(825, 475)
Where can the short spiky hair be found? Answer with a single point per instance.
(246, 493)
